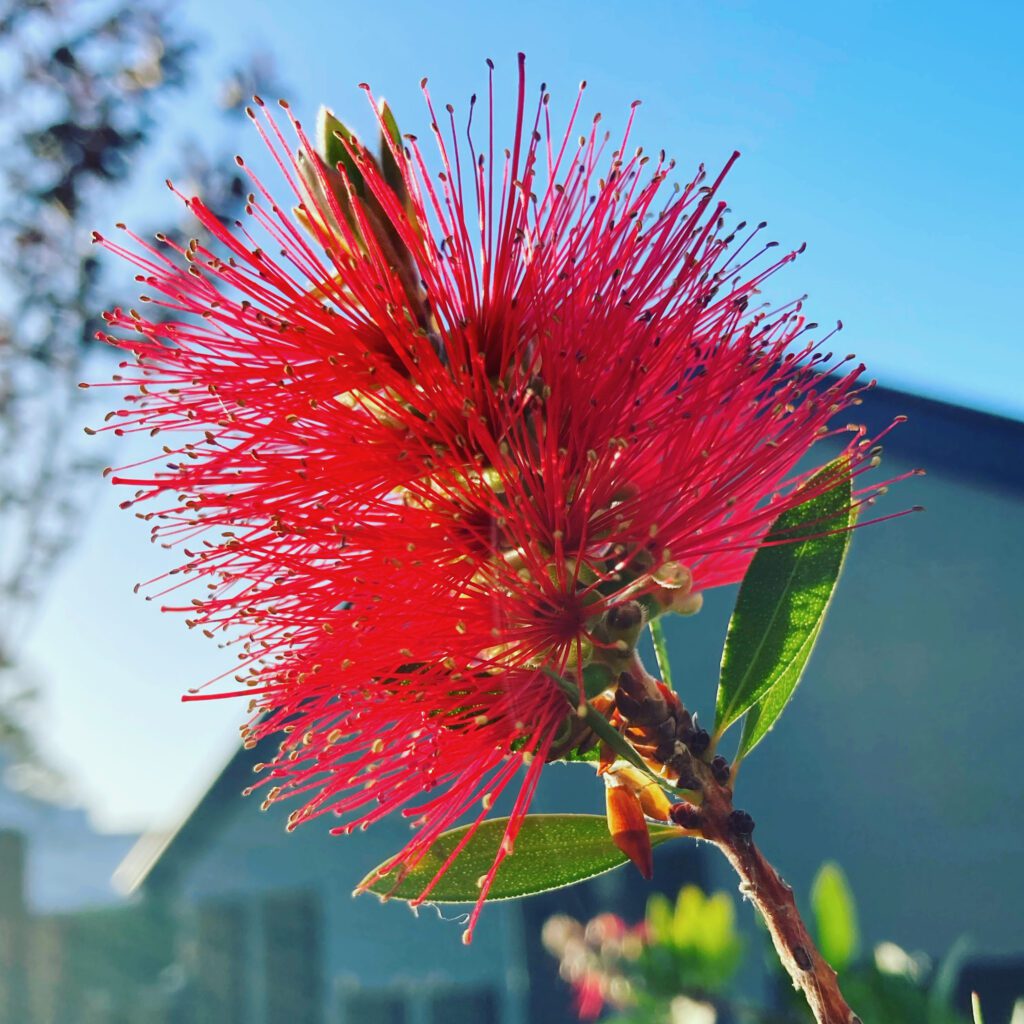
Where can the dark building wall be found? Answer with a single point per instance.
(899, 757)
(361, 954)
(13, 929)
(900, 754)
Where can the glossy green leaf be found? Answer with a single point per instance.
(763, 715)
(780, 608)
(551, 851)
(331, 136)
(835, 916)
(389, 165)
(661, 651)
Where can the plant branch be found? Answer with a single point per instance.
(605, 731)
(730, 831)
(715, 818)
(655, 713)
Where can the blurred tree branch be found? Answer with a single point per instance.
(82, 87)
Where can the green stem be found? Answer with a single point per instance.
(661, 652)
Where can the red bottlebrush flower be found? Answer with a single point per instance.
(425, 435)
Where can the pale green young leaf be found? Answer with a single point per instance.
(390, 167)
(835, 916)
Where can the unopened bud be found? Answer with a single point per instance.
(623, 624)
(628, 828)
(699, 741)
(625, 616)
(742, 824)
(639, 701)
(673, 576)
(681, 766)
(688, 603)
(597, 678)
(686, 815)
(580, 653)
(653, 801)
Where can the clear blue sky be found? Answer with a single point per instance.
(886, 135)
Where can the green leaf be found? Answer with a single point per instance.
(389, 166)
(331, 136)
(835, 915)
(661, 651)
(551, 851)
(781, 606)
(942, 990)
(763, 715)
(700, 934)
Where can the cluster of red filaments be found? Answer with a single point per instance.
(425, 434)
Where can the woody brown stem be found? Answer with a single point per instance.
(645, 707)
(730, 830)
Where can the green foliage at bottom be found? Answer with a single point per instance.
(693, 944)
(679, 966)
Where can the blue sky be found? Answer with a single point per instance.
(885, 135)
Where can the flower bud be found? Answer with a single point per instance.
(686, 815)
(686, 603)
(623, 624)
(673, 576)
(628, 827)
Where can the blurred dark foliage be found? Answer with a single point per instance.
(84, 91)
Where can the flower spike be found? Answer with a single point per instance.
(429, 438)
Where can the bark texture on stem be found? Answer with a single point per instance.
(668, 739)
(730, 830)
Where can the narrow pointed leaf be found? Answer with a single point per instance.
(607, 732)
(781, 605)
(331, 136)
(661, 651)
(551, 851)
(765, 713)
(389, 166)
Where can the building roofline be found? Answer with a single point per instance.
(985, 449)
(145, 863)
